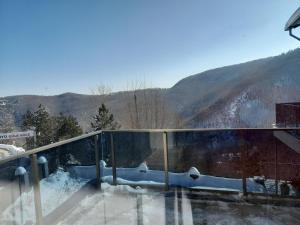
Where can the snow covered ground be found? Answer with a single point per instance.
(8, 150)
(13, 150)
(123, 204)
(191, 178)
(119, 205)
(55, 190)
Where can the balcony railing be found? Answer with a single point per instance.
(252, 162)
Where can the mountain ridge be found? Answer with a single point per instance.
(221, 97)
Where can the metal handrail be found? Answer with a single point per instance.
(47, 147)
(199, 129)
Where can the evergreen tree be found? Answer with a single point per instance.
(28, 120)
(67, 127)
(50, 129)
(43, 124)
(104, 120)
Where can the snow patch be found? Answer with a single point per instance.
(55, 189)
(13, 150)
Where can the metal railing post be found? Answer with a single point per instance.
(113, 159)
(139, 208)
(179, 197)
(244, 161)
(36, 190)
(276, 168)
(97, 158)
(166, 160)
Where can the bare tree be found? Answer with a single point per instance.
(148, 108)
(101, 89)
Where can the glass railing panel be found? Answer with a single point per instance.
(120, 204)
(105, 157)
(139, 158)
(17, 205)
(206, 159)
(288, 162)
(260, 160)
(66, 174)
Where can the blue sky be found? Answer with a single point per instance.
(54, 46)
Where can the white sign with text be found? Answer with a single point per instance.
(17, 135)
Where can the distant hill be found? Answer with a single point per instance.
(242, 95)
(83, 107)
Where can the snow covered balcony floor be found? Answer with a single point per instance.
(228, 176)
(125, 205)
(69, 201)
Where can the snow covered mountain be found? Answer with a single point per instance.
(242, 95)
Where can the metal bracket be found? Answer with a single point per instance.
(292, 35)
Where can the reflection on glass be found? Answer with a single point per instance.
(215, 177)
(260, 159)
(137, 156)
(16, 192)
(288, 162)
(206, 159)
(63, 173)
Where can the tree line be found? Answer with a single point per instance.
(50, 129)
(146, 108)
